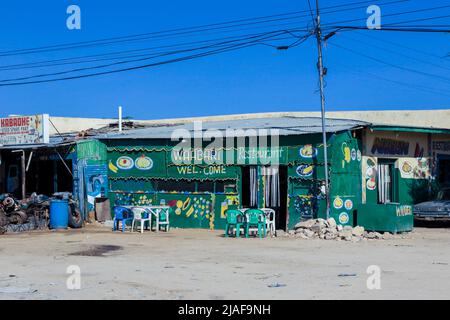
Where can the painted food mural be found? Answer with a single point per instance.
(370, 174)
(308, 151)
(125, 163)
(305, 170)
(305, 206)
(414, 168)
(343, 218)
(195, 207)
(338, 203)
(143, 163)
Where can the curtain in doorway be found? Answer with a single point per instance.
(384, 183)
(271, 187)
(253, 186)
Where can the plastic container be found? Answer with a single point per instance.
(59, 214)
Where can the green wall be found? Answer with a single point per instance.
(303, 155)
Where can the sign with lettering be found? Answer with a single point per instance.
(386, 146)
(396, 144)
(202, 172)
(20, 130)
(441, 146)
(403, 210)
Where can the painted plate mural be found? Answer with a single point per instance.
(305, 170)
(308, 151)
(338, 203)
(143, 163)
(348, 204)
(344, 218)
(125, 163)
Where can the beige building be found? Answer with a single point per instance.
(439, 118)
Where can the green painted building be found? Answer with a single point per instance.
(201, 170)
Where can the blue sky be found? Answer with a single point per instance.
(256, 79)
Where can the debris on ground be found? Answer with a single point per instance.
(330, 230)
(276, 285)
(347, 275)
(96, 251)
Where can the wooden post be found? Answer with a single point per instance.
(24, 174)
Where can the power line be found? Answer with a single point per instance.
(79, 59)
(401, 83)
(194, 56)
(55, 62)
(398, 53)
(392, 64)
(180, 31)
(401, 46)
(397, 29)
(137, 60)
(390, 15)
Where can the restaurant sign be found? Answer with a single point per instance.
(20, 130)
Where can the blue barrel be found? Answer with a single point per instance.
(59, 214)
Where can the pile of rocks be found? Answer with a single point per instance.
(329, 230)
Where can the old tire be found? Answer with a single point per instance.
(75, 218)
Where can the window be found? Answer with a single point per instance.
(226, 186)
(205, 186)
(386, 181)
(175, 186)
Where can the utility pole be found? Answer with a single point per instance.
(320, 68)
(23, 172)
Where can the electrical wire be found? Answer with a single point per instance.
(116, 55)
(136, 60)
(368, 35)
(181, 31)
(369, 75)
(396, 52)
(392, 64)
(389, 15)
(194, 56)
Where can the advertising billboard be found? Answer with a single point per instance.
(20, 130)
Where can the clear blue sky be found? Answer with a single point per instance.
(257, 79)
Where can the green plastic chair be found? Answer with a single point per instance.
(234, 219)
(163, 220)
(255, 218)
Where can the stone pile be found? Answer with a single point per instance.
(329, 230)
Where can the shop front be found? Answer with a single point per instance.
(400, 167)
(288, 179)
(30, 160)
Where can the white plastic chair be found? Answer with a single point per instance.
(270, 220)
(138, 216)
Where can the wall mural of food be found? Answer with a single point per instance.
(304, 170)
(413, 168)
(193, 206)
(347, 154)
(308, 151)
(143, 163)
(371, 173)
(125, 163)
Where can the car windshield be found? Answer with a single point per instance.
(444, 194)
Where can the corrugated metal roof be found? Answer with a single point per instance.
(55, 141)
(284, 125)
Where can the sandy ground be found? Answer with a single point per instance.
(201, 264)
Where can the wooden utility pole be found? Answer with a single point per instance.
(23, 172)
(320, 68)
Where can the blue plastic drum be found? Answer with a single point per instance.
(59, 214)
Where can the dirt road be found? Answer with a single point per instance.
(200, 264)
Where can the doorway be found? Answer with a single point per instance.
(274, 191)
(443, 167)
(249, 187)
